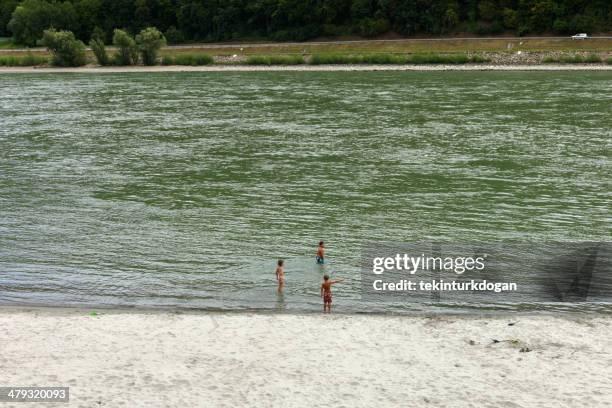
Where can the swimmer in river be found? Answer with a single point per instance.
(321, 253)
(326, 292)
(280, 275)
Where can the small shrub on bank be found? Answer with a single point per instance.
(67, 51)
(609, 60)
(592, 59)
(275, 60)
(28, 60)
(571, 59)
(187, 59)
(549, 60)
(99, 50)
(127, 50)
(149, 41)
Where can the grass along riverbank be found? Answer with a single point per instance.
(498, 51)
(200, 59)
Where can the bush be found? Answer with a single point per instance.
(28, 60)
(149, 41)
(592, 59)
(67, 51)
(571, 59)
(99, 50)
(167, 60)
(609, 60)
(275, 60)
(549, 60)
(187, 59)
(127, 50)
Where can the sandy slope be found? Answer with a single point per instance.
(217, 360)
(218, 68)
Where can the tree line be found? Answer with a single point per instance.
(283, 20)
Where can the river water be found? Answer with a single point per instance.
(182, 189)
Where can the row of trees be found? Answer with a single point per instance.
(191, 20)
(68, 51)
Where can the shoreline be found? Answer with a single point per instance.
(169, 359)
(303, 68)
(80, 310)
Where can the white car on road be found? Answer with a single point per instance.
(581, 36)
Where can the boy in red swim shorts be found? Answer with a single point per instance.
(326, 292)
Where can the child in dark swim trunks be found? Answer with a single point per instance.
(321, 253)
(326, 293)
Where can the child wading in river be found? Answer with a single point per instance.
(326, 292)
(280, 274)
(321, 253)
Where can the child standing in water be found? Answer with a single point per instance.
(326, 292)
(280, 275)
(321, 253)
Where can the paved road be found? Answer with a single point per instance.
(306, 43)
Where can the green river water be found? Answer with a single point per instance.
(182, 189)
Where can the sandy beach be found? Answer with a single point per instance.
(245, 68)
(167, 359)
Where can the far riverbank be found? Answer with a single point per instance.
(360, 67)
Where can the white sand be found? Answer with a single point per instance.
(233, 68)
(148, 359)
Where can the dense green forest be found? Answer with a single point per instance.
(214, 20)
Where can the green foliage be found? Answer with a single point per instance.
(31, 17)
(67, 51)
(99, 50)
(321, 59)
(289, 20)
(98, 34)
(149, 41)
(167, 60)
(329, 58)
(592, 59)
(275, 60)
(573, 59)
(173, 36)
(371, 27)
(439, 59)
(420, 58)
(609, 60)
(6, 10)
(22, 61)
(127, 50)
(187, 59)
